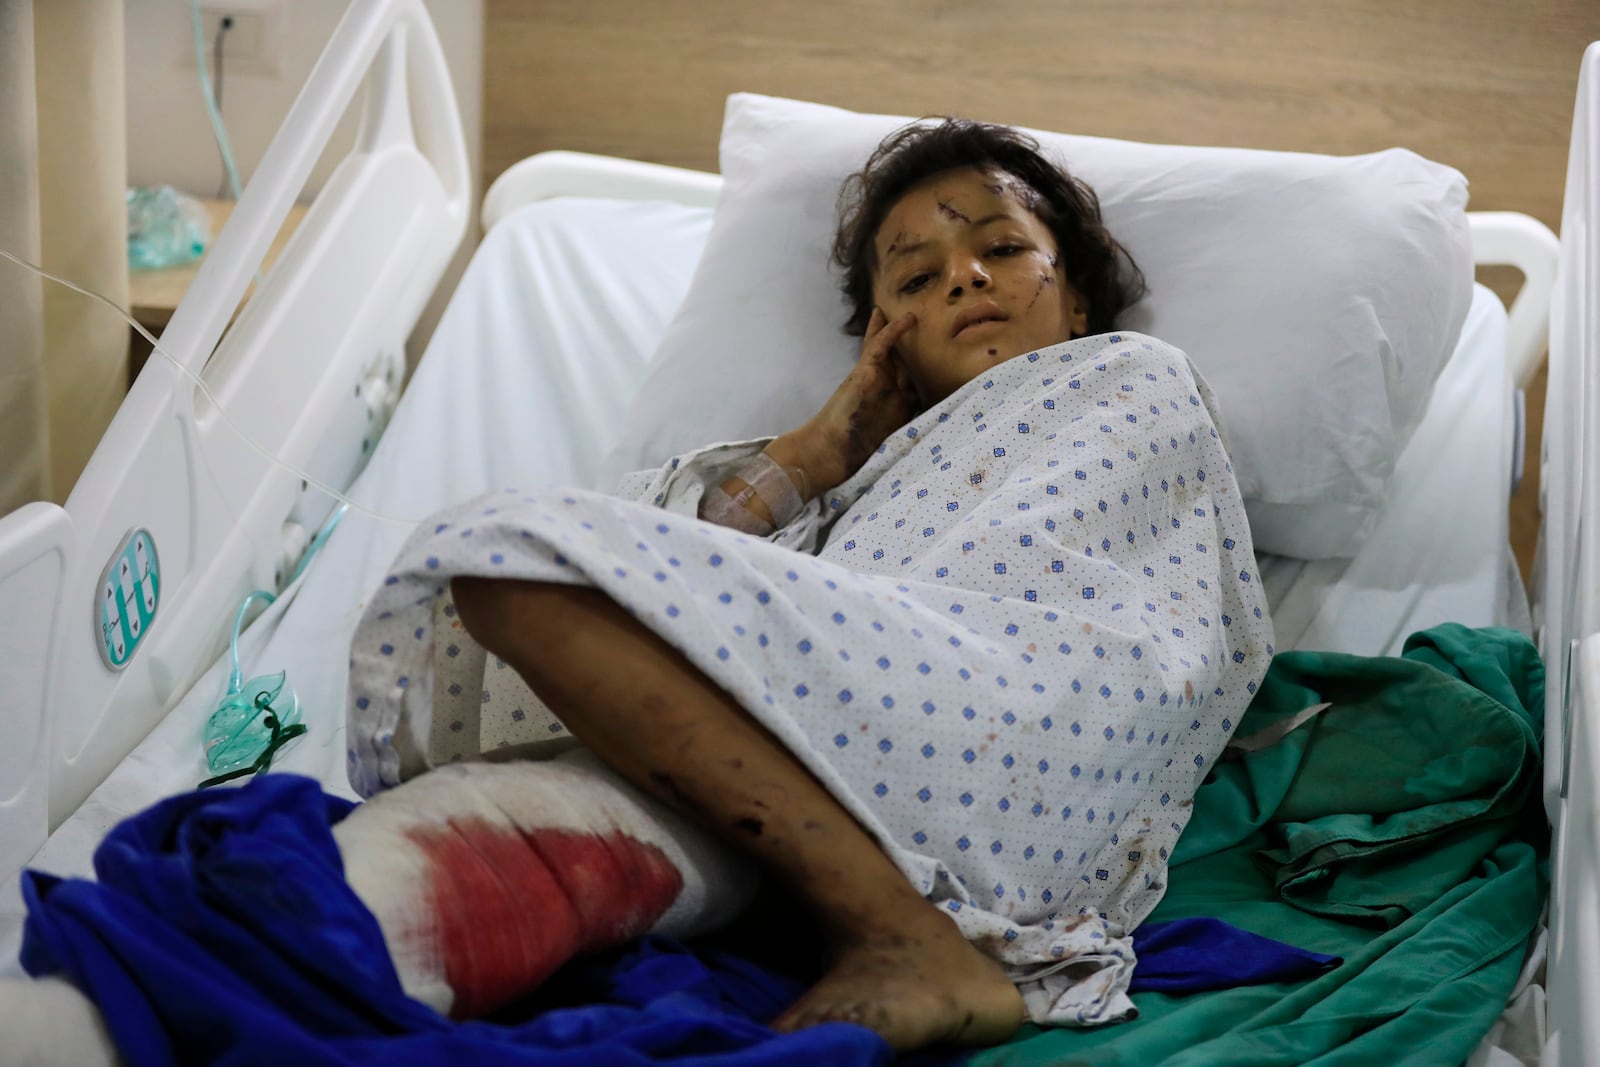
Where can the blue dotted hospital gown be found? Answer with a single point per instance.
(1011, 645)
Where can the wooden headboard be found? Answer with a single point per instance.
(1486, 86)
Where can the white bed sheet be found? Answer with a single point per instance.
(577, 292)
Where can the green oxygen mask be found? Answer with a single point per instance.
(252, 724)
(256, 718)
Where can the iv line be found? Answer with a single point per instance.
(222, 412)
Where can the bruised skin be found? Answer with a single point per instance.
(913, 989)
(1021, 192)
(900, 966)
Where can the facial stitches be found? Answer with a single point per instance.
(978, 269)
(1045, 280)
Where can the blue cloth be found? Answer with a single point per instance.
(221, 930)
(1200, 954)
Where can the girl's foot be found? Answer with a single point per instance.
(914, 989)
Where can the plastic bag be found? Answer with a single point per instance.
(166, 228)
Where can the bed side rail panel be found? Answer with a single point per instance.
(35, 556)
(1570, 608)
(306, 370)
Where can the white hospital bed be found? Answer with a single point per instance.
(545, 336)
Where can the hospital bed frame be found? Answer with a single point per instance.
(310, 368)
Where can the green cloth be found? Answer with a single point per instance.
(1400, 828)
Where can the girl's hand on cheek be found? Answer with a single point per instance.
(876, 398)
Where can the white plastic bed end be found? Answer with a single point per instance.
(1512, 239)
(551, 174)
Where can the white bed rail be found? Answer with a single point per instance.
(551, 174)
(308, 369)
(1570, 600)
(1512, 239)
(35, 558)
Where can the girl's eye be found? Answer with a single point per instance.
(1005, 250)
(915, 282)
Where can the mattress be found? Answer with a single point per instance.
(576, 292)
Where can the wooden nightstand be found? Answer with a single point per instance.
(153, 295)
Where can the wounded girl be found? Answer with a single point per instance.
(948, 661)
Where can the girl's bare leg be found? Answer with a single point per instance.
(899, 965)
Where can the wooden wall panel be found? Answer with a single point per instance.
(1486, 86)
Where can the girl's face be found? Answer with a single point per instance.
(966, 254)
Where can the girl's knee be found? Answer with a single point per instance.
(503, 613)
(484, 606)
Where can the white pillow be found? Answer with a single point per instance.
(1319, 295)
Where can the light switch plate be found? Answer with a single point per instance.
(250, 46)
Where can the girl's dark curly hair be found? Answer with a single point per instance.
(1089, 255)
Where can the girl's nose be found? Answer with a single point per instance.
(969, 274)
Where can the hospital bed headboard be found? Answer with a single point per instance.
(358, 272)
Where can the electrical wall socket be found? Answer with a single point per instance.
(251, 43)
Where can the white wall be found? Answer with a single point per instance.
(169, 136)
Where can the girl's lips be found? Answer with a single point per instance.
(978, 325)
(977, 315)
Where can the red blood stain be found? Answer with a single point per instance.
(510, 907)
